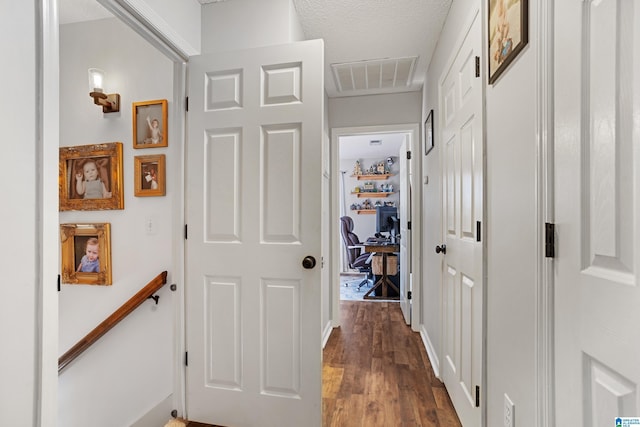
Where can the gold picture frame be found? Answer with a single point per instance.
(508, 34)
(150, 124)
(80, 245)
(90, 177)
(149, 175)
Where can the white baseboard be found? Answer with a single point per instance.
(431, 352)
(328, 328)
(158, 416)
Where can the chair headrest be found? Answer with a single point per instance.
(347, 223)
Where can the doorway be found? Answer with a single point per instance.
(349, 145)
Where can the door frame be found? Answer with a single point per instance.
(413, 132)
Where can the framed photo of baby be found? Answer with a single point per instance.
(508, 33)
(86, 254)
(150, 124)
(150, 175)
(91, 177)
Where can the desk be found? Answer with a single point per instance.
(384, 249)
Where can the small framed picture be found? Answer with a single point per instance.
(149, 176)
(508, 33)
(91, 177)
(86, 254)
(150, 124)
(428, 133)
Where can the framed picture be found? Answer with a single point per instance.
(428, 133)
(150, 124)
(149, 176)
(508, 33)
(86, 254)
(91, 177)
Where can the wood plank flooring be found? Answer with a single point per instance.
(377, 373)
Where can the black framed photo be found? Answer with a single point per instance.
(508, 33)
(428, 133)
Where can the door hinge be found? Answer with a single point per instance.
(478, 231)
(186, 358)
(58, 283)
(186, 104)
(477, 396)
(549, 240)
(408, 155)
(477, 66)
(408, 225)
(186, 234)
(408, 294)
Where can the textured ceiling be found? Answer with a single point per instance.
(374, 29)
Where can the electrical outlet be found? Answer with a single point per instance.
(509, 412)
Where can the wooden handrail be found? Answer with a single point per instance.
(104, 327)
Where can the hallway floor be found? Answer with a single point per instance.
(376, 373)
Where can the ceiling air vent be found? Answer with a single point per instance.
(374, 76)
(375, 142)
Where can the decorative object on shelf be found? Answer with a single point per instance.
(367, 204)
(86, 253)
(380, 168)
(149, 175)
(506, 41)
(357, 169)
(377, 203)
(91, 177)
(392, 204)
(150, 124)
(356, 190)
(369, 186)
(428, 133)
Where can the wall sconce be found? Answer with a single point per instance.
(110, 102)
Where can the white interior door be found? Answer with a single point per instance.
(597, 211)
(253, 209)
(405, 238)
(462, 275)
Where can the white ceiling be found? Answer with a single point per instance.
(359, 147)
(354, 31)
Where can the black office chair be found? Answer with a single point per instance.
(357, 260)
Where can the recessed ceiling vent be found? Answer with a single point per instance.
(376, 75)
(375, 142)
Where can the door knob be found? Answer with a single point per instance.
(309, 262)
(442, 248)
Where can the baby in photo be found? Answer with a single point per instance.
(88, 182)
(90, 262)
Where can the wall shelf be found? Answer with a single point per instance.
(375, 177)
(374, 193)
(365, 211)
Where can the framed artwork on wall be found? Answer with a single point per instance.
(149, 175)
(428, 133)
(150, 124)
(508, 33)
(86, 253)
(90, 177)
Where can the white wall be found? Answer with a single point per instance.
(509, 227)
(228, 25)
(97, 389)
(364, 225)
(375, 110)
(19, 244)
(178, 21)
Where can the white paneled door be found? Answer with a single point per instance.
(597, 211)
(404, 213)
(254, 213)
(462, 267)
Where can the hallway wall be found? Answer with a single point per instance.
(509, 228)
(97, 389)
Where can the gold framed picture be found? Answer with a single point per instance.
(508, 33)
(86, 253)
(90, 177)
(150, 124)
(149, 175)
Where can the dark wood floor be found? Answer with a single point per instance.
(377, 373)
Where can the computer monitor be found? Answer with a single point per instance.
(383, 218)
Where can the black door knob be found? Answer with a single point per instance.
(442, 248)
(309, 262)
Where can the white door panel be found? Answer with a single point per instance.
(253, 211)
(462, 275)
(597, 208)
(405, 235)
